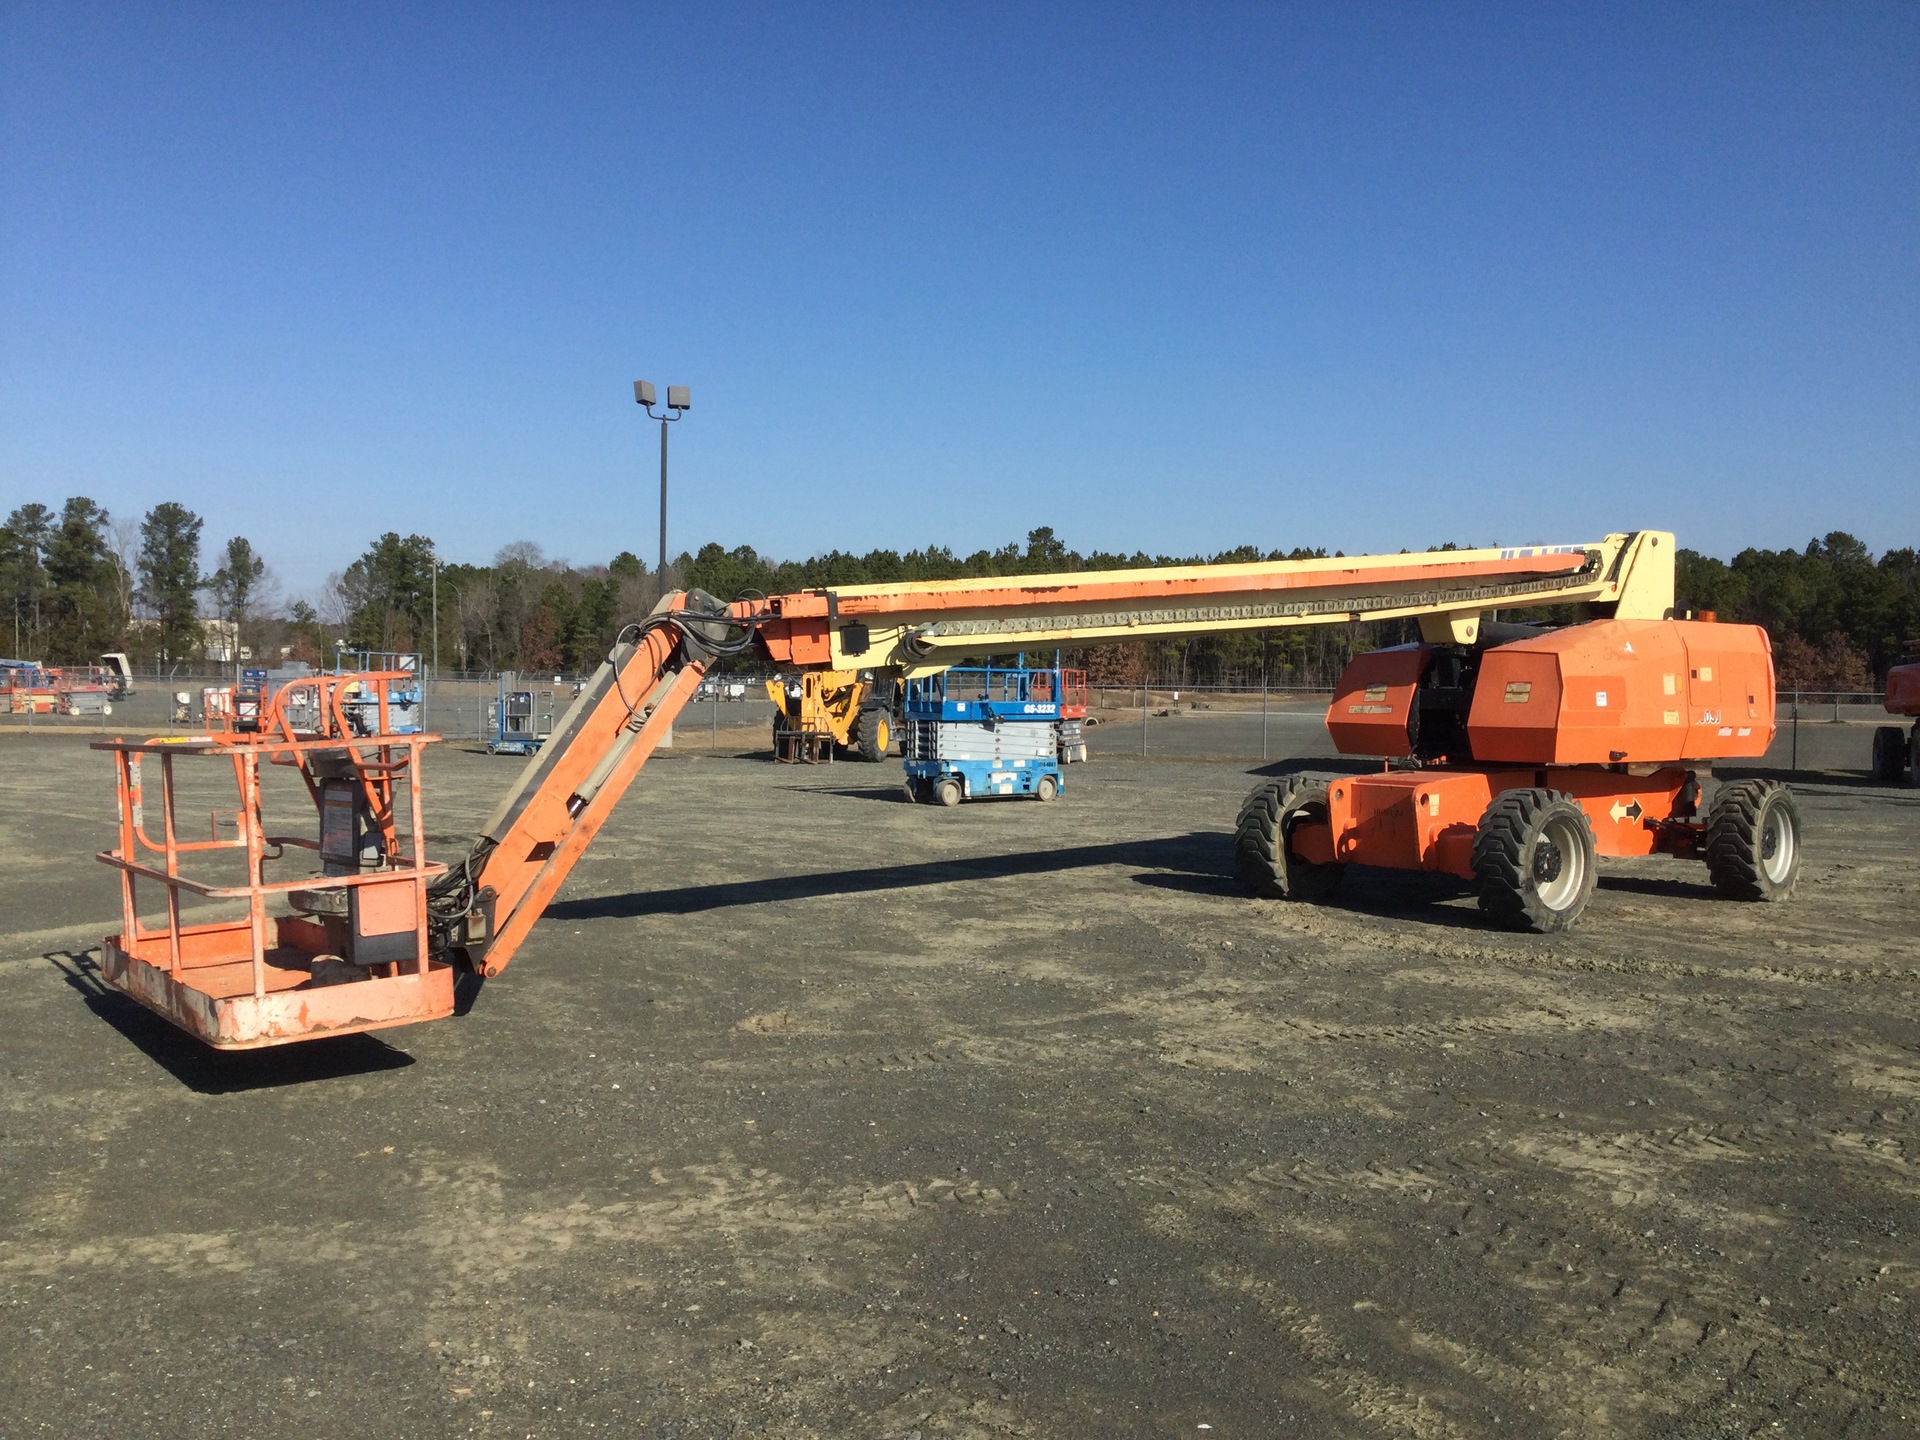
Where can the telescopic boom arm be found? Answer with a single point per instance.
(482, 909)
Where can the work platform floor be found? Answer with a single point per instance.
(809, 1112)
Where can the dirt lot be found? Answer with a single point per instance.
(807, 1112)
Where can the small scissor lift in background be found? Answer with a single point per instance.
(519, 718)
(974, 731)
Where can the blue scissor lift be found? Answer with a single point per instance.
(974, 731)
(403, 696)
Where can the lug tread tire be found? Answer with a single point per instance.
(1734, 827)
(1502, 861)
(1269, 870)
(866, 734)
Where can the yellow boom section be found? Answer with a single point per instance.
(925, 625)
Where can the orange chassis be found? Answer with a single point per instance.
(1427, 819)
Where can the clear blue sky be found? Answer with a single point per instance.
(1171, 277)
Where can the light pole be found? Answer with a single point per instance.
(679, 401)
(436, 617)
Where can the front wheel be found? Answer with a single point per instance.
(1753, 840)
(1047, 788)
(872, 733)
(1261, 841)
(947, 792)
(1534, 858)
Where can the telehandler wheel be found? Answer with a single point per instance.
(1534, 858)
(1269, 868)
(780, 728)
(1046, 788)
(1753, 840)
(1889, 755)
(872, 733)
(947, 792)
(1913, 756)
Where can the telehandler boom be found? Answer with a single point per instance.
(377, 938)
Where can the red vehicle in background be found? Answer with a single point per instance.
(1896, 753)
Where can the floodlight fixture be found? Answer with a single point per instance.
(643, 393)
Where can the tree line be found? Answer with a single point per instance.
(81, 583)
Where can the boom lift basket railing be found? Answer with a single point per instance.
(350, 954)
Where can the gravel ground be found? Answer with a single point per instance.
(808, 1112)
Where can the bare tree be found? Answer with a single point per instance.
(523, 552)
(331, 603)
(123, 540)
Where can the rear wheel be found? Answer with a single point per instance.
(1267, 819)
(1046, 788)
(1534, 858)
(780, 729)
(947, 792)
(1913, 756)
(1889, 755)
(1753, 840)
(872, 733)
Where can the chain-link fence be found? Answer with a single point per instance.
(1821, 730)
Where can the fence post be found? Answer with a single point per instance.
(1143, 720)
(1794, 763)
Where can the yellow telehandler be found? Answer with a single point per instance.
(819, 713)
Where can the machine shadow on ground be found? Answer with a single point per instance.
(220, 1072)
(1204, 854)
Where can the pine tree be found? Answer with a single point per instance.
(170, 577)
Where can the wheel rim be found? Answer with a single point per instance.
(1778, 845)
(883, 734)
(1559, 863)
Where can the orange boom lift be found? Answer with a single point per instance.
(1507, 758)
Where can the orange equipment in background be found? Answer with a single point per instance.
(1896, 754)
(1524, 761)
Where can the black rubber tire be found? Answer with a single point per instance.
(1046, 788)
(1889, 755)
(947, 792)
(1533, 855)
(1913, 756)
(872, 733)
(1270, 870)
(779, 731)
(913, 792)
(1753, 840)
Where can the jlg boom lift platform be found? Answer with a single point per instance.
(1511, 761)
